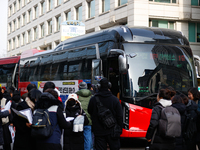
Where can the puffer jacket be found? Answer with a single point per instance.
(84, 96)
(159, 142)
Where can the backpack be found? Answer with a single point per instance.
(41, 125)
(189, 127)
(170, 122)
(105, 116)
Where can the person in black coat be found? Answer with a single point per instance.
(177, 102)
(102, 135)
(191, 108)
(74, 140)
(23, 139)
(49, 100)
(157, 141)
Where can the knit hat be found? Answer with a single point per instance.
(83, 85)
(104, 83)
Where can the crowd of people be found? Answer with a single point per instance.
(66, 134)
(186, 106)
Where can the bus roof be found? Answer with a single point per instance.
(9, 60)
(126, 34)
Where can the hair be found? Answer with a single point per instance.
(30, 87)
(184, 98)
(177, 99)
(49, 85)
(1, 94)
(11, 89)
(173, 92)
(16, 96)
(52, 92)
(165, 94)
(34, 94)
(195, 93)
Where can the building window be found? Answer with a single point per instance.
(36, 11)
(15, 7)
(42, 7)
(59, 2)
(29, 36)
(105, 5)
(42, 30)
(164, 1)
(58, 22)
(24, 19)
(49, 26)
(122, 2)
(13, 43)
(14, 24)
(10, 10)
(35, 33)
(50, 6)
(9, 28)
(29, 15)
(195, 2)
(91, 8)
(24, 2)
(19, 4)
(18, 41)
(68, 15)
(23, 39)
(79, 13)
(194, 32)
(18, 22)
(162, 24)
(9, 44)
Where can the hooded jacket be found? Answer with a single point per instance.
(109, 101)
(57, 120)
(84, 96)
(73, 140)
(156, 112)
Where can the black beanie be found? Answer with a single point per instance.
(104, 83)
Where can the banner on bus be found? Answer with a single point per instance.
(71, 28)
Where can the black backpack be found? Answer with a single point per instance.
(189, 127)
(105, 116)
(41, 125)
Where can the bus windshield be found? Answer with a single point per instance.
(156, 67)
(5, 70)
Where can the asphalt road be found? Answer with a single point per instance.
(133, 143)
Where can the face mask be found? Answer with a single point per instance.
(71, 103)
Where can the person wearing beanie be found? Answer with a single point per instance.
(108, 100)
(84, 96)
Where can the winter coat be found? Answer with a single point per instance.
(84, 96)
(6, 132)
(109, 101)
(2, 114)
(180, 143)
(74, 140)
(57, 120)
(191, 108)
(23, 139)
(159, 142)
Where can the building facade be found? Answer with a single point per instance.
(36, 23)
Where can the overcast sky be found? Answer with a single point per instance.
(3, 27)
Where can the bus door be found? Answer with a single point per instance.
(113, 75)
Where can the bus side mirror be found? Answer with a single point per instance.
(197, 63)
(96, 69)
(123, 67)
(122, 59)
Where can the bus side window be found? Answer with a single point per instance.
(45, 72)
